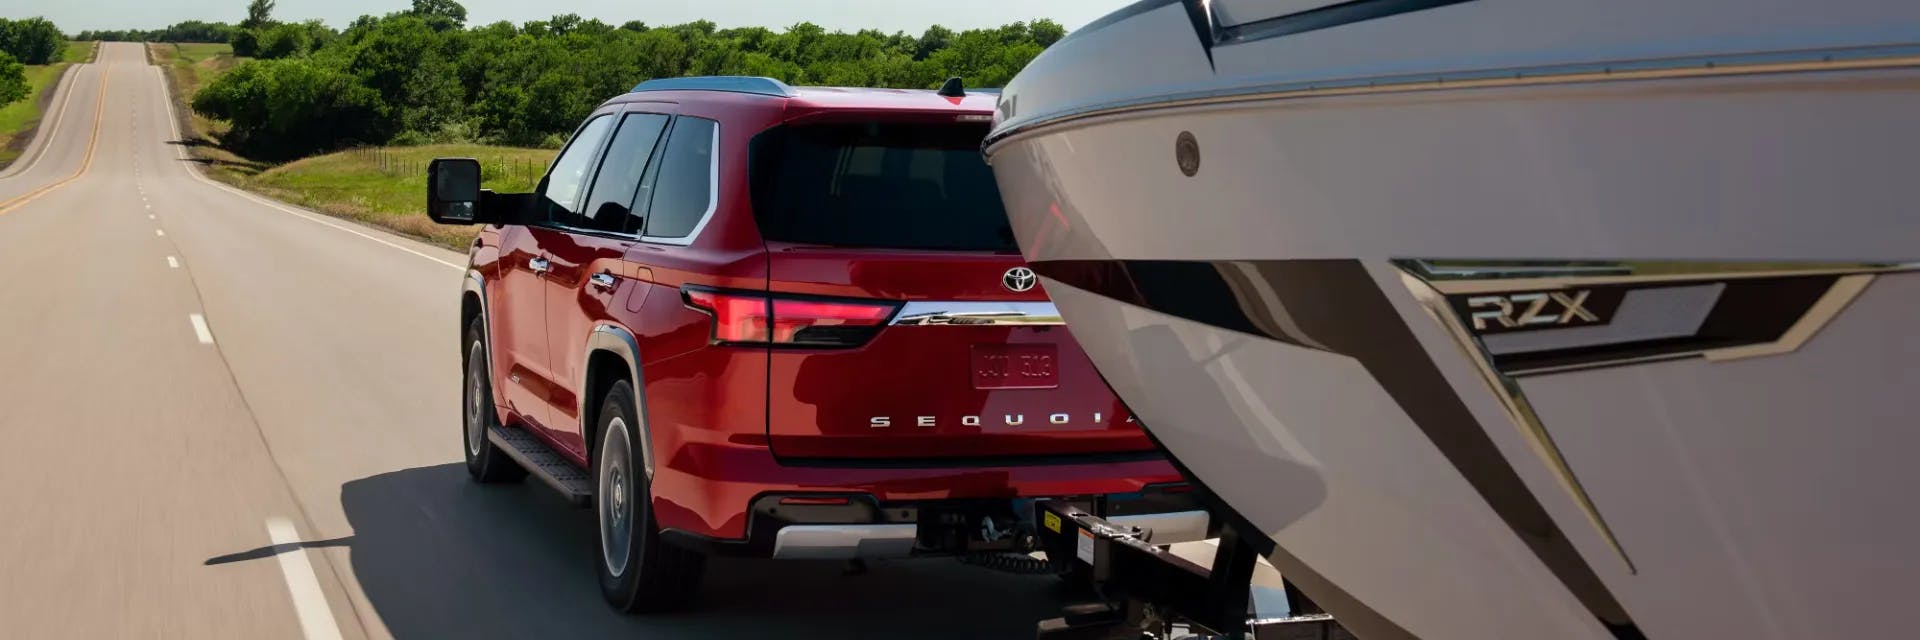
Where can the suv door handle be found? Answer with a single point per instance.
(603, 280)
(538, 265)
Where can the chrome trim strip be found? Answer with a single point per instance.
(977, 313)
(1170, 527)
(844, 541)
(1839, 59)
(1843, 291)
(612, 338)
(1508, 391)
(1431, 281)
(1498, 276)
(713, 194)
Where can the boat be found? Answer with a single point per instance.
(1508, 318)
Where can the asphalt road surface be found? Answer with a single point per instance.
(227, 418)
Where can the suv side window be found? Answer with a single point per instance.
(571, 170)
(684, 192)
(619, 175)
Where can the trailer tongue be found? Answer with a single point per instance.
(1149, 592)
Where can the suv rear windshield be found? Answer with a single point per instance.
(880, 185)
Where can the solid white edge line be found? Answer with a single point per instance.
(53, 130)
(173, 121)
(200, 328)
(172, 262)
(309, 602)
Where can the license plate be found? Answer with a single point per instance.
(1015, 366)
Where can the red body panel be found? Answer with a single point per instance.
(728, 423)
(919, 380)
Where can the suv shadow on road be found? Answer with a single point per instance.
(439, 556)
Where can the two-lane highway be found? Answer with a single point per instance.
(227, 418)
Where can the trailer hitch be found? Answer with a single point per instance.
(1146, 586)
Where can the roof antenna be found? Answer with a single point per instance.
(952, 88)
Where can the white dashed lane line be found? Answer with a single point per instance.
(172, 262)
(159, 232)
(309, 602)
(200, 328)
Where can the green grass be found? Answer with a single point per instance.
(18, 120)
(386, 186)
(383, 187)
(80, 52)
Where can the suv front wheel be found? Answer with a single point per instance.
(485, 461)
(638, 571)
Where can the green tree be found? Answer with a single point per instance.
(1046, 32)
(245, 42)
(293, 107)
(32, 40)
(13, 79)
(284, 40)
(447, 10)
(259, 14)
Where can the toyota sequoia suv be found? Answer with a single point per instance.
(743, 318)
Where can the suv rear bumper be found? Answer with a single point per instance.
(807, 511)
(847, 541)
(864, 528)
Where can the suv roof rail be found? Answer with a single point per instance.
(735, 84)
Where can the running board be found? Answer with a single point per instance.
(544, 463)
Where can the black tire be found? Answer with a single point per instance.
(485, 461)
(651, 575)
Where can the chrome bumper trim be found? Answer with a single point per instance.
(844, 541)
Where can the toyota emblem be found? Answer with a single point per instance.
(1019, 279)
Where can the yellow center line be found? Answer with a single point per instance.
(93, 140)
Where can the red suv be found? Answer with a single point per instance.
(739, 317)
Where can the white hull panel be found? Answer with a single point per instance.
(1757, 497)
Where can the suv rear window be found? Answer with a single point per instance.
(879, 185)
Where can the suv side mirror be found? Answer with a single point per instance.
(453, 191)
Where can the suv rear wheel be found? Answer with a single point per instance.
(638, 571)
(485, 461)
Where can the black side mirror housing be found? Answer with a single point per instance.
(454, 196)
(453, 191)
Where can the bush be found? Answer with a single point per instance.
(284, 40)
(13, 79)
(32, 41)
(288, 108)
(246, 43)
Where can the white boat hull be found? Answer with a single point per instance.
(1280, 322)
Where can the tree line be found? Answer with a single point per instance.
(188, 31)
(423, 75)
(24, 42)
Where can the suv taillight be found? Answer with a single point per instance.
(757, 318)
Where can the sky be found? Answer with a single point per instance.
(912, 16)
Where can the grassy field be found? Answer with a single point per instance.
(386, 186)
(19, 120)
(80, 52)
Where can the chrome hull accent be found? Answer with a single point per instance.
(1727, 491)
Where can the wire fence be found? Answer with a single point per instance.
(504, 169)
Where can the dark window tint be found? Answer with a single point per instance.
(683, 192)
(570, 170)
(887, 185)
(613, 187)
